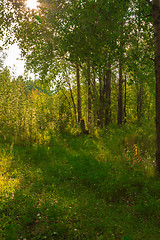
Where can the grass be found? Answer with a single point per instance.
(80, 187)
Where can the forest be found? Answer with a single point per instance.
(80, 143)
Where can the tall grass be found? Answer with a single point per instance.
(80, 187)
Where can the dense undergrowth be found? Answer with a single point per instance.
(81, 187)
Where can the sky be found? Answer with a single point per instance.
(13, 60)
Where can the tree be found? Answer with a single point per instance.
(156, 24)
(92, 35)
(120, 94)
(78, 94)
(107, 89)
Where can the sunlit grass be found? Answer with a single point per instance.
(9, 178)
(77, 187)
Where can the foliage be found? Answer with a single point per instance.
(56, 181)
(26, 114)
(60, 34)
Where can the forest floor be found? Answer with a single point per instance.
(81, 187)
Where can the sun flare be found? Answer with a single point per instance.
(32, 4)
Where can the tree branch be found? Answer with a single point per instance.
(152, 59)
(150, 3)
(149, 15)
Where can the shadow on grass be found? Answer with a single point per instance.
(65, 191)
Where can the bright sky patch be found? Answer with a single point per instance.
(32, 4)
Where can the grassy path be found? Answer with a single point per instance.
(76, 188)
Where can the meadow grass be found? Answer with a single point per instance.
(80, 187)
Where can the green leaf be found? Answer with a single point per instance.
(38, 18)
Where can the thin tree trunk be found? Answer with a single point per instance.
(140, 84)
(156, 23)
(94, 96)
(120, 95)
(125, 99)
(139, 102)
(108, 96)
(89, 90)
(78, 95)
(100, 110)
(74, 106)
(66, 98)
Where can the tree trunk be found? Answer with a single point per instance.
(125, 99)
(139, 102)
(140, 84)
(156, 23)
(78, 95)
(74, 106)
(120, 95)
(94, 96)
(100, 110)
(89, 91)
(108, 96)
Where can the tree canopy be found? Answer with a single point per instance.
(99, 55)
